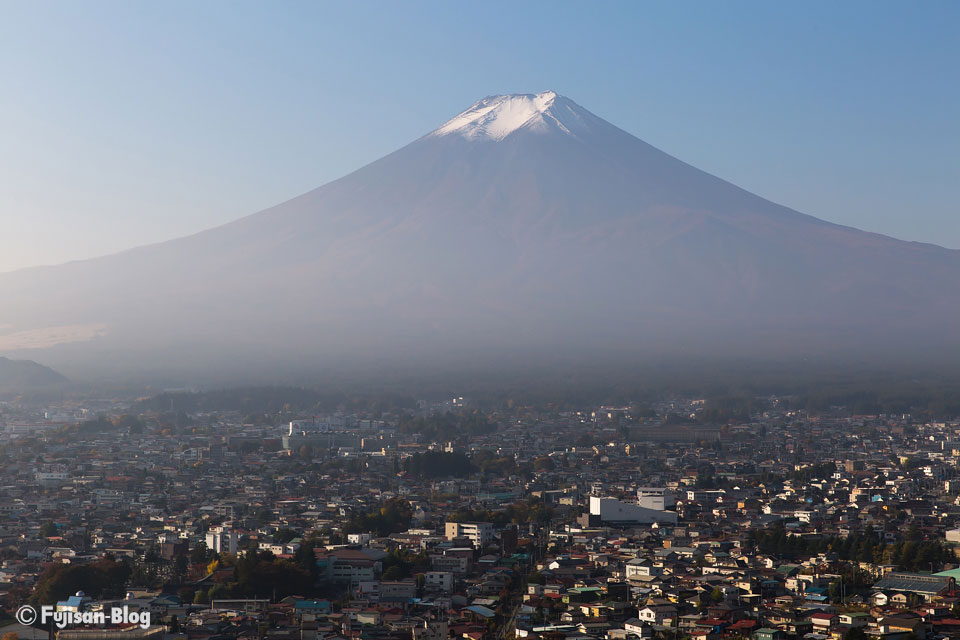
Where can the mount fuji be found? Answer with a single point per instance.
(524, 225)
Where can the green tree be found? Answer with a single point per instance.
(218, 590)
(393, 573)
(199, 554)
(544, 463)
(834, 589)
(283, 536)
(105, 577)
(306, 559)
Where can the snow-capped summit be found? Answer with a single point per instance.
(496, 117)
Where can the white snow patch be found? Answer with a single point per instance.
(496, 117)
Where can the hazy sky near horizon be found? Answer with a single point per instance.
(125, 123)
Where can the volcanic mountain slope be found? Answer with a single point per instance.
(21, 375)
(526, 222)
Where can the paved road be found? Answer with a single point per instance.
(539, 541)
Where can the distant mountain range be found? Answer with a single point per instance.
(21, 375)
(524, 227)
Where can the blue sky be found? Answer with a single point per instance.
(124, 123)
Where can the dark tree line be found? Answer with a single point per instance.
(814, 471)
(103, 578)
(924, 401)
(910, 554)
(273, 400)
(532, 510)
(261, 574)
(448, 426)
(393, 517)
(438, 464)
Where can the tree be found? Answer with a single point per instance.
(393, 573)
(438, 464)
(281, 577)
(180, 568)
(283, 536)
(199, 553)
(855, 633)
(306, 559)
(540, 513)
(216, 591)
(834, 589)
(394, 516)
(49, 529)
(544, 463)
(103, 578)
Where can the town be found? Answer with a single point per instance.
(676, 519)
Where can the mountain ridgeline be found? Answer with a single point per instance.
(524, 228)
(24, 375)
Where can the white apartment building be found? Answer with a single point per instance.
(479, 533)
(222, 540)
